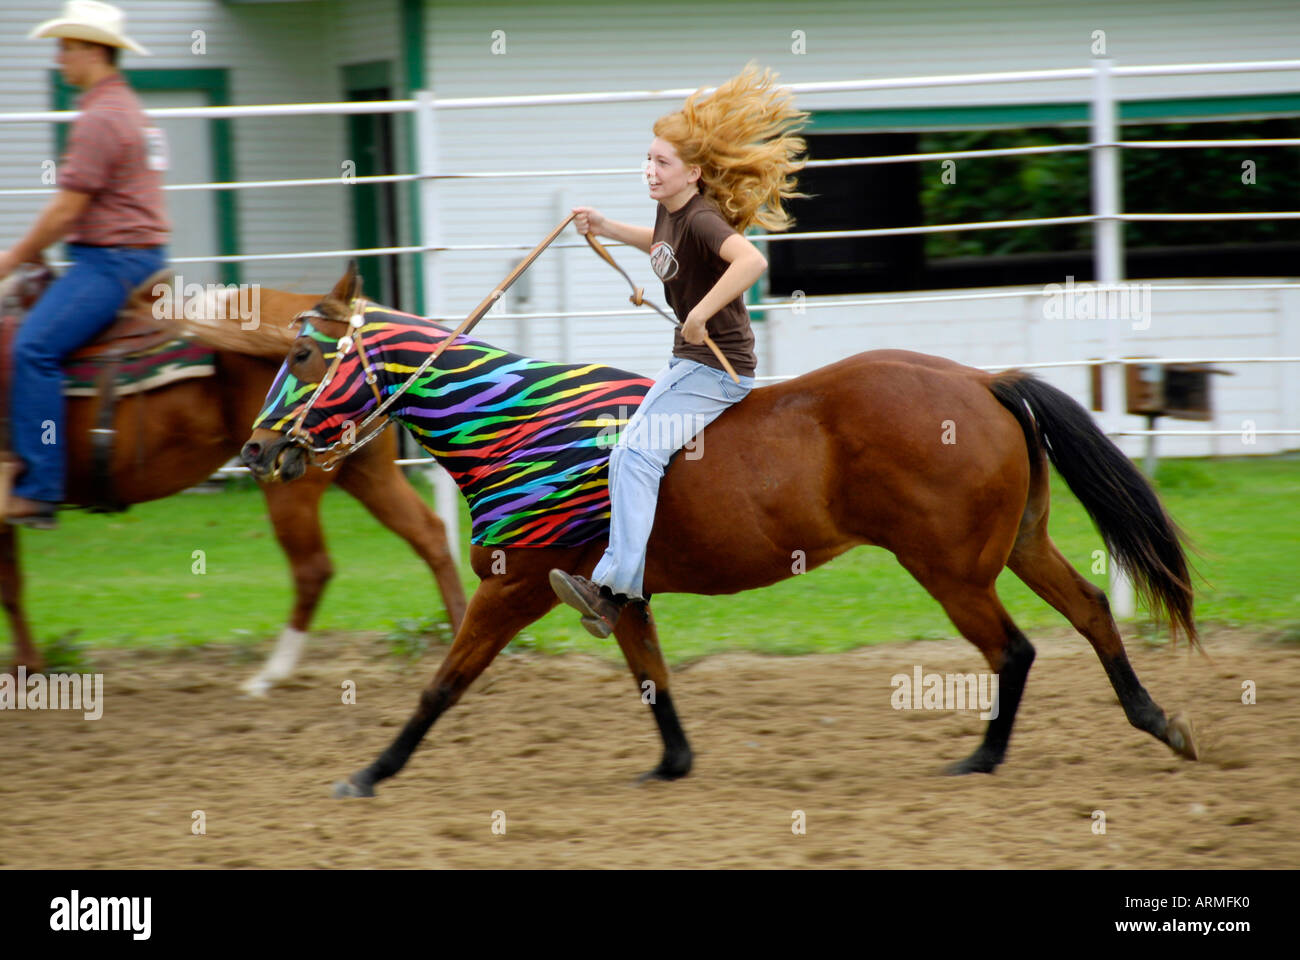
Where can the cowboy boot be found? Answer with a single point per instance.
(598, 605)
(34, 514)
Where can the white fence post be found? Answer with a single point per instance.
(426, 154)
(1288, 345)
(564, 288)
(446, 504)
(1108, 261)
(446, 496)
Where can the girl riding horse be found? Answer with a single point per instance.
(722, 163)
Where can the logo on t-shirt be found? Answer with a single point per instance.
(662, 261)
(155, 148)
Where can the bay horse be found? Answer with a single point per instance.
(175, 436)
(941, 464)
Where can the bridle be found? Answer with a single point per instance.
(328, 457)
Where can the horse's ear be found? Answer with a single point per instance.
(348, 285)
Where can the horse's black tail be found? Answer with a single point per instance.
(1138, 533)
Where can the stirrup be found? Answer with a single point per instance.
(43, 520)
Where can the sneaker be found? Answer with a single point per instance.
(597, 604)
(35, 514)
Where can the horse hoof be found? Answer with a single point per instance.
(257, 686)
(346, 788)
(977, 762)
(665, 771)
(1178, 734)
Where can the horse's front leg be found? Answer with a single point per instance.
(295, 516)
(11, 589)
(502, 606)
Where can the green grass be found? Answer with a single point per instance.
(129, 578)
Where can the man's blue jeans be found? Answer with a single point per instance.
(78, 306)
(686, 397)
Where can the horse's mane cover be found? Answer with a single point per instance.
(527, 441)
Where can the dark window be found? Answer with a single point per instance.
(1035, 186)
(852, 198)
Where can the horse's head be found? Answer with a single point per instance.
(303, 415)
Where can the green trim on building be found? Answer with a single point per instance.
(758, 289)
(412, 14)
(364, 198)
(212, 81)
(1211, 108)
(367, 76)
(945, 118)
(1048, 114)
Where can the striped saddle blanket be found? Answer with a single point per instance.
(178, 359)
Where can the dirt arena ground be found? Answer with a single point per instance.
(555, 743)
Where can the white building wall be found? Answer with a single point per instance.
(1015, 330)
(277, 54)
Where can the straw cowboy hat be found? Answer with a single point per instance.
(91, 21)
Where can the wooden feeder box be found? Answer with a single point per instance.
(1180, 390)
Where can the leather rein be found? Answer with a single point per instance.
(328, 457)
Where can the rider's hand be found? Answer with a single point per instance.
(8, 263)
(693, 330)
(588, 220)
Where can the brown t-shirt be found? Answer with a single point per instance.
(684, 255)
(117, 156)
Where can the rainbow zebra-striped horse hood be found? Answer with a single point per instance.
(527, 441)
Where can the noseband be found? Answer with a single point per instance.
(328, 457)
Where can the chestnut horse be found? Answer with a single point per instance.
(858, 452)
(172, 437)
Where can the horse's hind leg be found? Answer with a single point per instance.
(1037, 562)
(11, 589)
(501, 607)
(639, 640)
(295, 515)
(977, 612)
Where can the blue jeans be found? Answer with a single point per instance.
(76, 307)
(686, 397)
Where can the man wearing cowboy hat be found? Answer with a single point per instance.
(109, 209)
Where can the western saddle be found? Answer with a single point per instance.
(135, 331)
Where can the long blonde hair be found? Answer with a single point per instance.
(742, 138)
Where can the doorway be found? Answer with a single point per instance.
(374, 205)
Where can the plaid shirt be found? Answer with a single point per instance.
(116, 155)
